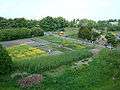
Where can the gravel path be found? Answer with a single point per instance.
(40, 43)
(16, 42)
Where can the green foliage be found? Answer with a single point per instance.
(97, 76)
(52, 24)
(64, 42)
(47, 24)
(37, 32)
(83, 22)
(17, 23)
(111, 39)
(24, 51)
(41, 64)
(12, 34)
(87, 23)
(88, 34)
(110, 25)
(61, 23)
(5, 61)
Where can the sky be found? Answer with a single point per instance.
(69, 9)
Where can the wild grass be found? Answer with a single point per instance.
(41, 65)
(101, 74)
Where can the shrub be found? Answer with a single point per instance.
(111, 39)
(12, 34)
(88, 34)
(5, 61)
(37, 32)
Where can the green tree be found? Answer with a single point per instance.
(84, 33)
(20, 22)
(52, 24)
(47, 24)
(87, 23)
(3, 23)
(60, 23)
(88, 34)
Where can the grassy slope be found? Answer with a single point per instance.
(97, 76)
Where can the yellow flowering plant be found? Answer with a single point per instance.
(24, 51)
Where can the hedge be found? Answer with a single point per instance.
(12, 34)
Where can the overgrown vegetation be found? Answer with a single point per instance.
(41, 64)
(111, 39)
(102, 73)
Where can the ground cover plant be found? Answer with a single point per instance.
(24, 51)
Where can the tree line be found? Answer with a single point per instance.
(58, 23)
(47, 24)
